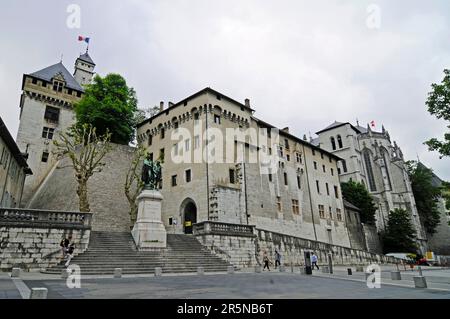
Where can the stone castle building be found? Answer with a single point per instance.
(296, 192)
(369, 157)
(46, 109)
(299, 195)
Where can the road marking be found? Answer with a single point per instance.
(23, 289)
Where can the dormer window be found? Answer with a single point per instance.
(58, 86)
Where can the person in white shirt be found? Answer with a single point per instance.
(314, 260)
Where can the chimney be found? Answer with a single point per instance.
(247, 103)
(161, 106)
(170, 104)
(286, 129)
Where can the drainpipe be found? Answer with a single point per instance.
(309, 193)
(207, 164)
(21, 190)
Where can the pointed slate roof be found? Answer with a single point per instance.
(86, 58)
(51, 71)
(337, 124)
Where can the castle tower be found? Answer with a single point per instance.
(84, 69)
(46, 108)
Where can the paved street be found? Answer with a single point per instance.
(239, 285)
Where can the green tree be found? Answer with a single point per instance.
(357, 194)
(425, 194)
(399, 236)
(109, 105)
(439, 105)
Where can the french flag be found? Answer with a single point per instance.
(85, 39)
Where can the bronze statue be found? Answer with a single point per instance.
(151, 173)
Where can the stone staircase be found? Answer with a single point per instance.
(108, 251)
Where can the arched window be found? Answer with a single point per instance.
(333, 143)
(370, 176)
(339, 139)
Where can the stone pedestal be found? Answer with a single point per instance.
(149, 232)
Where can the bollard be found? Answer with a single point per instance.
(395, 275)
(118, 273)
(420, 282)
(158, 272)
(292, 268)
(258, 269)
(420, 271)
(200, 271)
(64, 274)
(15, 273)
(349, 271)
(330, 263)
(38, 293)
(308, 267)
(230, 270)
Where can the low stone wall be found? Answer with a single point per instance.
(233, 243)
(245, 246)
(29, 239)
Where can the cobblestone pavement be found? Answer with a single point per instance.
(240, 285)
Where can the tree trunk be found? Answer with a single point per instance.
(82, 195)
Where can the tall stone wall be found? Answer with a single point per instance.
(373, 240)
(105, 191)
(440, 241)
(355, 231)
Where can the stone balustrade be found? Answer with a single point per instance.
(32, 218)
(218, 228)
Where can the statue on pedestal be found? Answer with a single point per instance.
(149, 232)
(151, 173)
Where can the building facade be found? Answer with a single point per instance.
(46, 108)
(223, 164)
(369, 157)
(13, 169)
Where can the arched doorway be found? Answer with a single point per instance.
(189, 213)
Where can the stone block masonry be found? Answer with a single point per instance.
(105, 191)
(30, 239)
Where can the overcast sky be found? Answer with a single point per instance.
(303, 64)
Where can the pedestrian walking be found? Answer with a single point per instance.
(314, 261)
(266, 261)
(70, 253)
(64, 244)
(277, 259)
